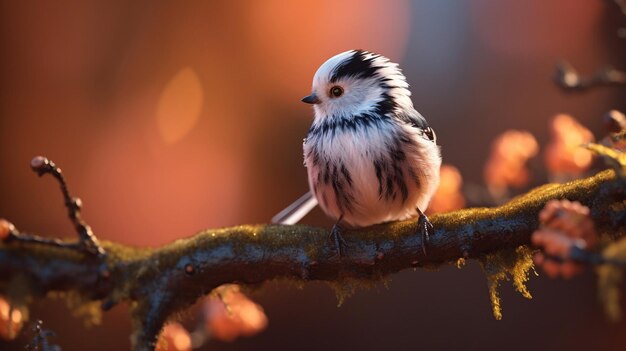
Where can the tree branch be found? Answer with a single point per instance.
(568, 78)
(161, 281)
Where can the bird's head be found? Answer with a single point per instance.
(357, 82)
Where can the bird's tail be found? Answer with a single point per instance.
(298, 209)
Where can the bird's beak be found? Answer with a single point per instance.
(311, 99)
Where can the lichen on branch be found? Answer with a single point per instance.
(159, 282)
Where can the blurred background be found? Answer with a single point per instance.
(170, 117)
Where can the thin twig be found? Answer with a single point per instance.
(88, 240)
(568, 78)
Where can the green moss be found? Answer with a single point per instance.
(118, 253)
(610, 279)
(269, 236)
(345, 287)
(136, 321)
(502, 265)
(43, 252)
(612, 157)
(460, 263)
(82, 307)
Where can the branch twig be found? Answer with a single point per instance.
(159, 282)
(568, 78)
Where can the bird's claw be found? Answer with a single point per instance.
(426, 229)
(336, 238)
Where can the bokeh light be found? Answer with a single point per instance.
(449, 195)
(506, 166)
(565, 157)
(11, 320)
(180, 105)
(174, 337)
(232, 315)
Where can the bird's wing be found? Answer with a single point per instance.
(298, 209)
(429, 134)
(418, 121)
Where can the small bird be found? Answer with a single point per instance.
(370, 156)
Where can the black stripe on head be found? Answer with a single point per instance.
(359, 66)
(386, 105)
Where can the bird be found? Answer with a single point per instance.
(370, 156)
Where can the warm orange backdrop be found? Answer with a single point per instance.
(170, 117)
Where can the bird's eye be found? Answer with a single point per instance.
(336, 91)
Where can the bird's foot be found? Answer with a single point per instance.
(426, 229)
(337, 239)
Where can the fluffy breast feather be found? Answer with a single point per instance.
(376, 171)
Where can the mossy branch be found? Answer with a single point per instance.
(159, 282)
